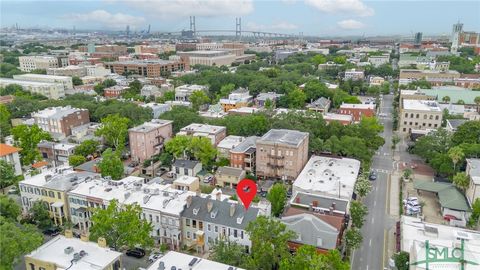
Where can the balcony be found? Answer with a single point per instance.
(275, 157)
(275, 166)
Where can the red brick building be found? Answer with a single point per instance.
(146, 68)
(114, 91)
(357, 111)
(243, 155)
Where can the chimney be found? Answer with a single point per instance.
(315, 203)
(209, 206)
(95, 169)
(232, 209)
(84, 237)
(333, 205)
(68, 234)
(102, 242)
(331, 210)
(189, 201)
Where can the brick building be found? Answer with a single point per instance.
(148, 139)
(357, 110)
(59, 121)
(146, 68)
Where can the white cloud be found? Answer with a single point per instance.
(280, 26)
(185, 8)
(106, 19)
(350, 24)
(348, 7)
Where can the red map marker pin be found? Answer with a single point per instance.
(246, 191)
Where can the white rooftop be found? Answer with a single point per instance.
(338, 117)
(245, 110)
(414, 233)
(183, 261)
(230, 142)
(60, 178)
(27, 83)
(357, 106)
(54, 252)
(64, 146)
(203, 128)
(132, 190)
(151, 125)
(328, 176)
(41, 76)
(56, 112)
(421, 105)
(185, 180)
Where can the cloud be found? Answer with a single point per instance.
(280, 26)
(352, 7)
(350, 24)
(185, 8)
(106, 19)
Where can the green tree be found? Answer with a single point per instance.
(224, 91)
(474, 218)
(402, 260)
(28, 138)
(461, 181)
(111, 164)
(114, 129)
(166, 159)
(39, 71)
(269, 242)
(76, 80)
(169, 95)
(456, 154)
(178, 145)
(446, 99)
(86, 148)
(121, 226)
(363, 186)
(358, 211)
(7, 175)
(306, 257)
(296, 99)
(318, 59)
(9, 208)
(75, 160)
(477, 101)
(4, 122)
(198, 98)
(228, 252)
(40, 216)
(203, 150)
(395, 141)
(16, 241)
(182, 117)
(268, 105)
(353, 238)
(468, 132)
(277, 196)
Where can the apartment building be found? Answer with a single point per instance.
(67, 252)
(207, 58)
(59, 121)
(50, 90)
(147, 68)
(51, 187)
(114, 50)
(149, 138)
(244, 155)
(187, 183)
(379, 60)
(30, 63)
(435, 77)
(214, 133)
(419, 115)
(154, 48)
(115, 91)
(328, 177)
(157, 108)
(97, 70)
(65, 81)
(376, 81)
(357, 111)
(281, 154)
(10, 155)
(161, 205)
(183, 92)
(206, 221)
(473, 172)
(237, 99)
(353, 74)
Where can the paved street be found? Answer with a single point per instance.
(370, 256)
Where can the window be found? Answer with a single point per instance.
(185, 171)
(194, 223)
(187, 222)
(209, 227)
(406, 115)
(150, 217)
(435, 125)
(188, 235)
(194, 236)
(241, 234)
(436, 118)
(51, 194)
(235, 233)
(424, 116)
(158, 219)
(216, 229)
(418, 115)
(59, 195)
(32, 266)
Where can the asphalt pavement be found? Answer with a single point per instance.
(371, 254)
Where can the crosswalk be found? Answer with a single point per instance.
(381, 170)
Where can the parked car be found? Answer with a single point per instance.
(154, 256)
(449, 217)
(372, 176)
(136, 252)
(53, 231)
(12, 190)
(207, 179)
(171, 174)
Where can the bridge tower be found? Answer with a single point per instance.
(238, 27)
(192, 25)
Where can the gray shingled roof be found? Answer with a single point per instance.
(322, 103)
(223, 212)
(307, 199)
(227, 170)
(311, 228)
(184, 163)
(249, 142)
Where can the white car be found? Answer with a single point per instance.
(207, 179)
(154, 256)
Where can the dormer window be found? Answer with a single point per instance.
(240, 219)
(195, 210)
(213, 214)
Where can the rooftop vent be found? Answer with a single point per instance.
(161, 266)
(192, 262)
(68, 250)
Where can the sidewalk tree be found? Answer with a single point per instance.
(16, 241)
(395, 141)
(277, 196)
(402, 260)
(77, 81)
(446, 99)
(75, 160)
(27, 138)
(121, 226)
(7, 175)
(269, 239)
(228, 252)
(456, 154)
(474, 218)
(358, 211)
(111, 164)
(407, 173)
(353, 238)
(477, 101)
(9, 209)
(40, 216)
(363, 186)
(114, 130)
(461, 181)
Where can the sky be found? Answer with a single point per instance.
(312, 17)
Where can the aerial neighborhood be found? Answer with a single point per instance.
(126, 150)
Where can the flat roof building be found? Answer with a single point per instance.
(148, 139)
(65, 81)
(214, 133)
(186, 261)
(59, 121)
(147, 68)
(419, 115)
(50, 90)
